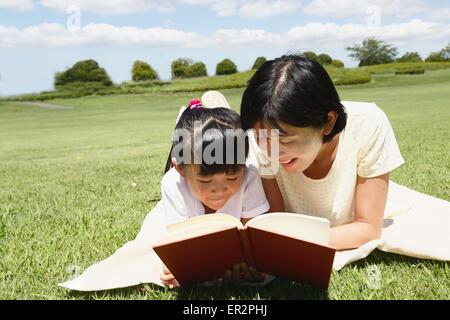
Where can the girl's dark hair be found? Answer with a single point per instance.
(218, 125)
(294, 89)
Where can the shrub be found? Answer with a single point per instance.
(337, 63)
(142, 71)
(411, 70)
(324, 59)
(410, 57)
(186, 68)
(391, 67)
(143, 84)
(436, 57)
(311, 54)
(441, 56)
(341, 76)
(179, 67)
(83, 71)
(80, 89)
(258, 63)
(226, 66)
(198, 69)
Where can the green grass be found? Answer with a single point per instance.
(66, 199)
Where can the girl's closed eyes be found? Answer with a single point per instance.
(208, 181)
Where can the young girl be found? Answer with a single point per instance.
(334, 157)
(220, 182)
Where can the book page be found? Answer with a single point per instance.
(295, 225)
(193, 232)
(200, 225)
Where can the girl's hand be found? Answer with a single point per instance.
(242, 272)
(168, 279)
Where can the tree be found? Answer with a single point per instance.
(198, 69)
(435, 57)
(258, 62)
(446, 52)
(324, 59)
(410, 57)
(179, 67)
(142, 71)
(226, 66)
(441, 56)
(311, 54)
(373, 51)
(337, 63)
(186, 68)
(83, 71)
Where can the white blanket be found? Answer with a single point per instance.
(415, 225)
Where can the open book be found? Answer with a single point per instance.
(289, 245)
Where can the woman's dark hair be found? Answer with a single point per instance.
(218, 127)
(294, 89)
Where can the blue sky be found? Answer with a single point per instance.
(41, 37)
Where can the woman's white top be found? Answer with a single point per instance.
(180, 204)
(367, 148)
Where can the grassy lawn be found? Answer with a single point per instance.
(66, 200)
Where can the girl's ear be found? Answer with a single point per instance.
(332, 118)
(177, 167)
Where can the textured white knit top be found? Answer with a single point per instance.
(367, 147)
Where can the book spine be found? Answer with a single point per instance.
(246, 247)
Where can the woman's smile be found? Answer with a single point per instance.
(288, 163)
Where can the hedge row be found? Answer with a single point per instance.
(341, 76)
(416, 70)
(392, 67)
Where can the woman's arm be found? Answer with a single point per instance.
(273, 195)
(370, 202)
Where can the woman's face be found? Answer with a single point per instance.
(298, 148)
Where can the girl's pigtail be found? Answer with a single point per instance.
(194, 104)
(169, 164)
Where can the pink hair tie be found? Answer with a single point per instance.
(195, 104)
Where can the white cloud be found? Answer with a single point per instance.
(263, 8)
(18, 5)
(244, 8)
(224, 8)
(247, 8)
(441, 14)
(195, 2)
(343, 8)
(102, 7)
(166, 7)
(320, 35)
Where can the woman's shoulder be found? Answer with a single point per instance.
(361, 109)
(364, 116)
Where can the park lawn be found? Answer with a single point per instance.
(66, 200)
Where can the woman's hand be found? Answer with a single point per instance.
(168, 279)
(241, 272)
(370, 203)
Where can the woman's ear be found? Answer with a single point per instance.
(332, 118)
(177, 167)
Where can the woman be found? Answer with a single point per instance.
(334, 157)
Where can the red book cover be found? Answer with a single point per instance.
(291, 258)
(202, 258)
(205, 257)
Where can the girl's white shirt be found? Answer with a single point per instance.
(367, 148)
(180, 204)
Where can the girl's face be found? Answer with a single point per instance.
(298, 148)
(214, 190)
